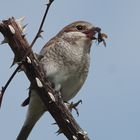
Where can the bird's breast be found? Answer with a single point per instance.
(68, 78)
(66, 66)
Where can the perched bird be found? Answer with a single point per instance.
(65, 59)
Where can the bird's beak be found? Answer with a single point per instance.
(91, 33)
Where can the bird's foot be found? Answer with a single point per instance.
(70, 107)
(74, 106)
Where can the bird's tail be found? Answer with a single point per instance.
(35, 111)
(24, 133)
(26, 128)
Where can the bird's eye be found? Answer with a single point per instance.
(79, 27)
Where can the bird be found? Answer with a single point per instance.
(65, 59)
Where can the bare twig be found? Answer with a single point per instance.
(27, 53)
(6, 85)
(41, 25)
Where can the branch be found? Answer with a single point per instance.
(36, 75)
(6, 85)
(28, 51)
(41, 25)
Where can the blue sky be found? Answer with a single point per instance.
(111, 94)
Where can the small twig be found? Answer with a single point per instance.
(41, 25)
(7, 84)
(39, 30)
(28, 51)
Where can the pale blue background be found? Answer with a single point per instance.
(111, 94)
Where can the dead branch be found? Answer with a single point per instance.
(35, 73)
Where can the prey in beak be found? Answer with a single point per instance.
(91, 33)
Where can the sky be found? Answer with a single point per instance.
(111, 94)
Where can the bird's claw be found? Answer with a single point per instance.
(74, 106)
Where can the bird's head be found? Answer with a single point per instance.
(82, 31)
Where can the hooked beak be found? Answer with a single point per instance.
(92, 32)
(100, 36)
